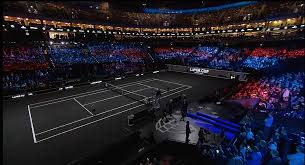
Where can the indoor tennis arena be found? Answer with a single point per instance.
(153, 82)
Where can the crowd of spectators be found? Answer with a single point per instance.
(202, 54)
(27, 67)
(228, 58)
(267, 144)
(258, 144)
(23, 57)
(117, 52)
(22, 81)
(260, 62)
(268, 57)
(112, 58)
(172, 53)
(70, 54)
(283, 93)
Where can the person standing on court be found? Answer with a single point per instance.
(169, 107)
(184, 109)
(158, 93)
(200, 138)
(156, 104)
(187, 132)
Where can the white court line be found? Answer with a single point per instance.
(94, 91)
(32, 126)
(152, 87)
(83, 106)
(91, 116)
(115, 97)
(102, 91)
(164, 126)
(171, 82)
(86, 118)
(105, 117)
(90, 93)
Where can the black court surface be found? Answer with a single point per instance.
(56, 117)
(59, 127)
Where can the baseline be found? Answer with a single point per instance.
(171, 82)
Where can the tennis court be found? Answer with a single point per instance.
(56, 117)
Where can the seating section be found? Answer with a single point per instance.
(115, 52)
(23, 57)
(276, 91)
(261, 58)
(172, 53)
(27, 67)
(21, 81)
(70, 54)
(114, 59)
(202, 55)
(226, 58)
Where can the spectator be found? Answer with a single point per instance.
(268, 125)
(296, 158)
(275, 158)
(255, 157)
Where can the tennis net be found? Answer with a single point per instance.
(129, 94)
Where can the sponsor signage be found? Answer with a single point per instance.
(199, 70)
